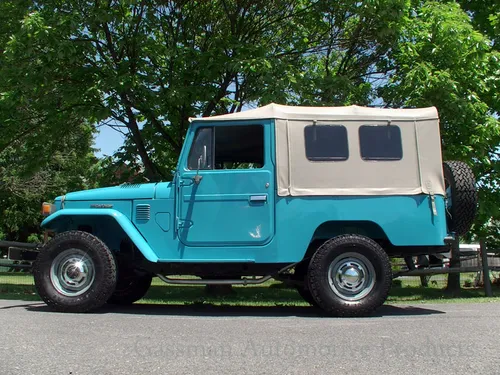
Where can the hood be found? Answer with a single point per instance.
(122, 192)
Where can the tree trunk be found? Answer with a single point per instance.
(151, 170)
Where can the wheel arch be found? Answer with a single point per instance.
(334, 228)
(113, 220)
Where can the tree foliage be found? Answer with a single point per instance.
(145, 67)
(44, 151)
(442, 60)
(26, 182)
(485, 17)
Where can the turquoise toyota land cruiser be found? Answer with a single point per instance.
(319, 197)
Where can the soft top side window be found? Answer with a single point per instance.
(382, 142)
(326, 142)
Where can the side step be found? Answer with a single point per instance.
(243, 281)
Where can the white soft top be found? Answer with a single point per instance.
(285, 112)
(419, 171)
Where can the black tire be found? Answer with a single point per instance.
(461, 185)
(364, 258)
(75, 272)
(300, 275)
(306, 295)
(132, 285)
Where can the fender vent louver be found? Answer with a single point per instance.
(143, 212)
(129, 185)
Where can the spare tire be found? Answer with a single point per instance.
(461, 206)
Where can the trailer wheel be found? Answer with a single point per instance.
(461, 195)
(75, 272)
(350, 275)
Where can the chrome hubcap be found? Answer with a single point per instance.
(351, 276)
(72, 272)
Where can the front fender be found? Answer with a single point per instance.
(121, 219)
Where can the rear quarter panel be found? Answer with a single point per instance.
(404, 220)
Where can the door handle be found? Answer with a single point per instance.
(258, 198)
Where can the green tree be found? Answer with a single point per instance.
(144, 67)
(28, 177)
(147, 66)
(44, 152)
(442, 60)
(485, 15)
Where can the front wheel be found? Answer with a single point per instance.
(75, 272)
(350, 275)
(132, 285)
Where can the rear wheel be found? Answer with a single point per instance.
(302, 288)
(350, 275)
(306, 295)
(75, 272)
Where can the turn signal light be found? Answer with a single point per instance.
(48, 209)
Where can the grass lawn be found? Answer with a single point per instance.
(19, 286)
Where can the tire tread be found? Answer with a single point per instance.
(464, 196)
(88, 301)
(344, 308)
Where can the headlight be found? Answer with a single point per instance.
(48, 209)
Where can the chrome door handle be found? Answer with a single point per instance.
(258, 198)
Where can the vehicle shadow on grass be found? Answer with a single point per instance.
(194, 301)
(210, 310)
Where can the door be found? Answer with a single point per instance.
(226, 187)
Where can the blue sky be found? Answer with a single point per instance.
(108, 141)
